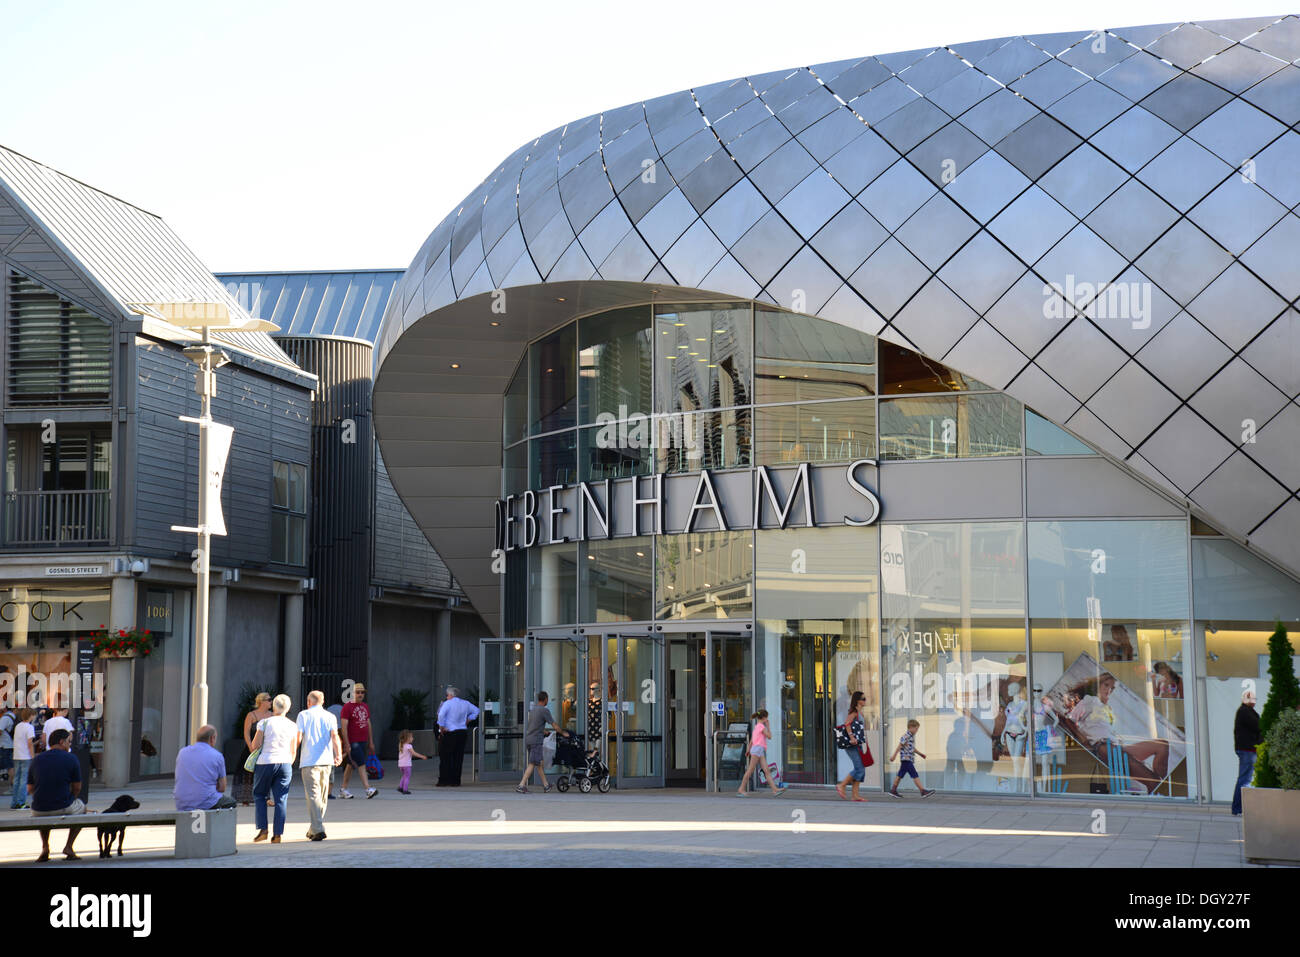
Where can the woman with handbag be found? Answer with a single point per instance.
(261, 711)
(277, 743)
(851, 737)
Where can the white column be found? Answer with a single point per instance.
(217, 661)
(119, 686)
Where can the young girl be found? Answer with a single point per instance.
(758, 752)
(405, 750)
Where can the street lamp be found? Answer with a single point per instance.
(214, 446)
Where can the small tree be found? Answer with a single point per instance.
(1284, 746)
(1283, 696)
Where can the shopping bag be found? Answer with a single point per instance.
(373, 768)
(548, 750)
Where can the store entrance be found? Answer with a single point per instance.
(706, 711)
(685, 766)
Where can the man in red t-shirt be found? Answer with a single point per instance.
(358, 739)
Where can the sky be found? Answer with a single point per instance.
(276, 135)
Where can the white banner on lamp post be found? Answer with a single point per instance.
(218, 438)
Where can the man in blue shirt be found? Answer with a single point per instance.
(454, 714)
(321, 752)
(201, 775)
(53, 784)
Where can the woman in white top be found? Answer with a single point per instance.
(278, 738)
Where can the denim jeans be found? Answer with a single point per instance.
(1245, 770)
(19, 797)
(272, 779)
(859, 772)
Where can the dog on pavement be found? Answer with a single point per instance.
(122, 804)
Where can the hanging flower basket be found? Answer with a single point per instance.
(122, 643)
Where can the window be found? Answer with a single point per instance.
(948, 427)
(59, 354)
(1045, 438)
(289, 514)
(801, 359)
(904, 372)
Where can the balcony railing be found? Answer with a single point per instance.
(57, 518)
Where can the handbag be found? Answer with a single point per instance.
(251, 762)
(867, 759)
(842, 738)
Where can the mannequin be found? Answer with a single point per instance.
(1049, 744)
(1015, 732)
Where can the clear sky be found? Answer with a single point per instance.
(328, 135)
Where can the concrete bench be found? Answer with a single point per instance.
(199, 834)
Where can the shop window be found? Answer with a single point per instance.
(1108, 605)
(289, 513)
(904, 372)
(800, 358)
(554, 460)
(515, 414)
(954, 654)
(516, 469)
(949, 427)
(616, 580)
(1047, 438)
(553, 381)
(614, 363)
(552, 585)
(819, 432)
(691, 441)
(704, 575)
(616, 449)
(515, 605)
(59, 354)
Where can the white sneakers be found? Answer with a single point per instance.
(370, 792)
(345, 793)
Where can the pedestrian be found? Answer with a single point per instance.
(405, 751)
(201, 775)
(24, 738)
(277, 737)
(761, 734)
(1245, 738)
(855, 732)
(54, 785)
(261, 711)
(539, 719)
(454, 714)
(907, 750)
(8, 722)
(358, 740)
(321, 752)
(58, 720)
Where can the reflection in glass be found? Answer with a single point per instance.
(516, 469)
(801, 358)
(554, 381)
(903, 372)
(557, 668)
(642, 731)
(703, 355)
(704, 575)
(1047, 438)
(515, 414)
(616, 579)
(946, 427)
(821, 432)
(554, 460)
(616, 450)
(503, 704)
(614, 362)
(690, 441)
(552, 585)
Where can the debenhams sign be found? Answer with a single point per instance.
(702, 501)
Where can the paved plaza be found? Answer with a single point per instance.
(491, 826)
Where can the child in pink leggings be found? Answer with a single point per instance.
(405, 751)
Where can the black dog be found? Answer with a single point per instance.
(123, 803)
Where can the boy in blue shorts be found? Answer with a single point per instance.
(907, 750)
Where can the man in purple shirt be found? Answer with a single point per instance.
(201, 775)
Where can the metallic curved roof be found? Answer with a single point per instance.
(929, 197)
(317, 303)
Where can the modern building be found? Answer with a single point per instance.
(403, 623)
(98, 468)
(964, 377)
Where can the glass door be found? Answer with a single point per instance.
(635, 707)
(686, 711)
(558, 666)
(729, 702)
(501, 676)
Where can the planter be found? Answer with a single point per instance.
(425, 741)
(133, 653)
(1271, 824)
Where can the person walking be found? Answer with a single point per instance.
(1245, 738)
(201, 775)
(358, 740)
(54, 787)
(454, 715)
(8, 721)
(277, 737)
(907, 749)
(539, 719)
(261, 711)
(855, 731)
(24, 736)
(321, 752)
(405, 751)
(759, 737)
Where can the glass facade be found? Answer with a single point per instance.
(1037, 656)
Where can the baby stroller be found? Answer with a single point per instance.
(581, 767)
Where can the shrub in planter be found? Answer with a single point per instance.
(1283, 698)
(409, 710)
(1283, 745)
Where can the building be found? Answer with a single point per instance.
(98, 468)
(964, 377)
(406, 624)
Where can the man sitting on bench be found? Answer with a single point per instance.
(54, 781)
(201, 775)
